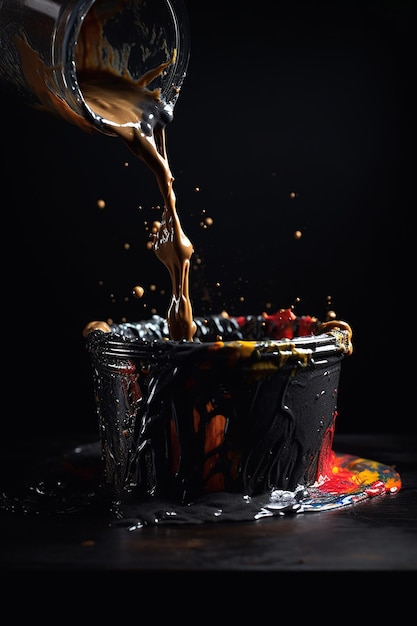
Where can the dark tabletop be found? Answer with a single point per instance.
(378, 534)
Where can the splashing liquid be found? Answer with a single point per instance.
(139, 116)
(128, 107)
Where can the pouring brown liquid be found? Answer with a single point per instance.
(138, 114)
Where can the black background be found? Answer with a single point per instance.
(314, 98)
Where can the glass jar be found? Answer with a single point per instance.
(46, 44)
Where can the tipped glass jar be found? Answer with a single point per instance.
(47, 46)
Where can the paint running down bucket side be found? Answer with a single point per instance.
(183, 419)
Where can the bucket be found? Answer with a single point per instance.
(183, 419)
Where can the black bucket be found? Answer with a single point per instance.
(183, 419)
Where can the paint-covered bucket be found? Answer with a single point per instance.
(234, 410)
